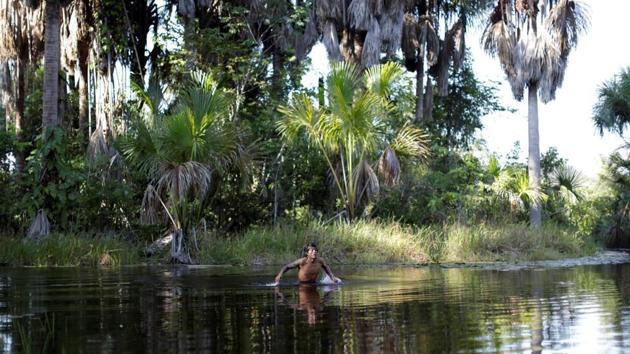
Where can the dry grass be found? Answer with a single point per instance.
(371, 242)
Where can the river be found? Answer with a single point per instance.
(580, 309)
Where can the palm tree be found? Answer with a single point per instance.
(612, 110)
(532, 40)
(349, 129)
(40, 226)
(183, 154)
(612, 113)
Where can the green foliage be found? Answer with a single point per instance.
(551, 161)
(349, 129)
(183, 155)
(612, 110)
(457, 116)
(615, 208)
(106, 199)
(612, 113)
(67, 250)
(452, 188)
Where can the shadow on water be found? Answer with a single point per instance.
(390, 310)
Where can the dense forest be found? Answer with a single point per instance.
(137, 119)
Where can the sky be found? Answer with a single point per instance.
(566, 122)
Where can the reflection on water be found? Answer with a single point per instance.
(390, 310)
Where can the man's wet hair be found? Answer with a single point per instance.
(306, 247)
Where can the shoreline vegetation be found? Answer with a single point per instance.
(363, 242)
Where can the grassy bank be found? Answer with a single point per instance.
(365, 242)
(376, 242)
(67, 250)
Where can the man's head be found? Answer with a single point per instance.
(310, 250)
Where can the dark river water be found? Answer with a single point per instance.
(583, 309)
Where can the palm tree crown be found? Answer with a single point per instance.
(533, 40)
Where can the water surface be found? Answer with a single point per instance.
(378, 310)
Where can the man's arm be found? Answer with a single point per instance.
(287, 266)
(329, 272)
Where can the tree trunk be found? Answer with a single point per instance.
(52, 60)
(277, 79)
(83, 99)
(19, 117)
(420, 90)
(83, 55)
(533, 163)
(179, 249)
(40, 227)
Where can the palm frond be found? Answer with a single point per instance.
(330, 132)
(391, 24)
(366, 184)
(494, 169)
(181, 180)
(566, 21)
(139, 147)
(526, 193)
(151, 207)
(222, 142)
(362, 118)
(411, 141)
(388, 167)
(381, 79)
(432, 40)
(343, 82)
(206, 101)
(568, 181)
(299, 115)
(360, 15)
(331, 41)
(458, 42)
(39, 228)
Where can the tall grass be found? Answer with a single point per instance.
(67, 250)
(364, 242)
(373, 242)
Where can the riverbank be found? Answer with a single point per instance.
(364, 242)
(371, 242)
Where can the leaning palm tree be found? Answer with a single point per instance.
(349, 129)
(532, 40)
(183, 154)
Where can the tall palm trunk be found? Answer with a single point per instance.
(83, 97)
(40, 227)
(19, 116)
(420, 90)
(533, 163)
(52, 58)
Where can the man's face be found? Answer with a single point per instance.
(311, 253)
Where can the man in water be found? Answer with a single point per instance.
(309, 267)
